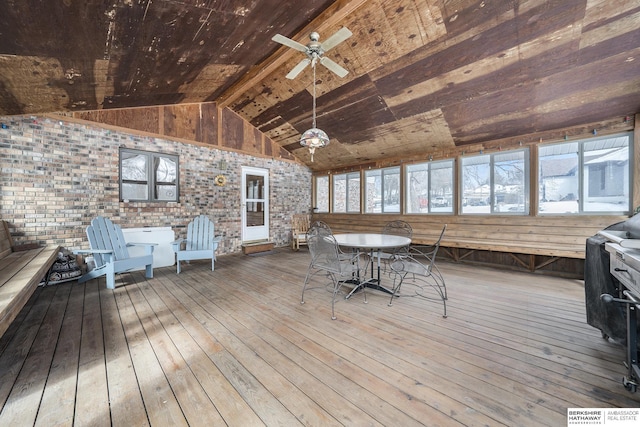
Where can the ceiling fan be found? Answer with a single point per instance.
(315, 51)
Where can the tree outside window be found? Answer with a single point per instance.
(382, 190)
(429, 187)
(496, 183)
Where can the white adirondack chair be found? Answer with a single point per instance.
(110, 253)
(199, 244)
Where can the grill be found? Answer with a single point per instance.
(612, 289)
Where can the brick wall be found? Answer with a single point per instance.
(55, 176)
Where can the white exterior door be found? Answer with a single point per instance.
(255, 204)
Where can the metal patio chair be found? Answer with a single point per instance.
(396, 228)
(417, 268)
(328, 259)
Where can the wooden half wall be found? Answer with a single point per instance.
(198, 123)
(542, 244)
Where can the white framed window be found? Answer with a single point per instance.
(495, 183)
(429, 187)
(147, 176)
(382, 190)
(321, 197)
(586, 176)
(346, 193)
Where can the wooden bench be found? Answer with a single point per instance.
(530, 243)
(21, 270)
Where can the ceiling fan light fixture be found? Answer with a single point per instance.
(314, 138)
(314, 50)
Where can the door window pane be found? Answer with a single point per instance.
(254, 200)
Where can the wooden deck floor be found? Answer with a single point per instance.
(235, 347)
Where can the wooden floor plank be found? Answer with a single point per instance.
(200, 349)
(385, 368)
(247, 370)
(193, 400)
(125, 395)
(21, 407)
(160, 402)
(236, 347)
(20, 336)
(92, 399)
(59, 397)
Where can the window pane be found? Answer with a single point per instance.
(606, 175)
(353, 192)
(558, 178)
(373, 191)
(134, 167)
(322, 194)
(391, 190)
(585, 176)
(134, 176)
(165, 175)
(134, 191)
(429, 187)
(382, 190)
(476, 184)
(417, 191)
(509, 182)
(165, 170)
(340, 193)
(441, 191)
(166, 192)
(148, 176)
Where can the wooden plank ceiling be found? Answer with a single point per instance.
(424, 76)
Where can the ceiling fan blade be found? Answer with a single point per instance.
(288, 42)
(298, 68)
(338, 37)
(331, 65)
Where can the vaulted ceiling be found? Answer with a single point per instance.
(424, 75)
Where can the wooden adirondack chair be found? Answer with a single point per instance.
(199, 244)
(110, 253)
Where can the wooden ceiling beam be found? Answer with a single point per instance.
(329, 17)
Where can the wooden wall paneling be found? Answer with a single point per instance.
(636, 164)
(182, 121)
(542, 235)
(145, 119)
(209, 123)
(534, 164)
(251, 140)
(232, 130)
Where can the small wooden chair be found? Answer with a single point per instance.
(299, 227)
(110, 254)
(199, 244)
